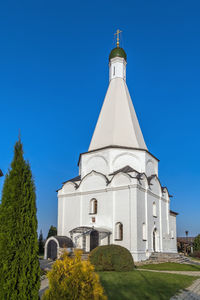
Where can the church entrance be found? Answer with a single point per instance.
(52, 250)
(154, 240)
(94, 239)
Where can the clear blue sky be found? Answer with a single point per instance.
(54, 76)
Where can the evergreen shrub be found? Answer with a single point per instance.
(197, 243)
(112, 258)
(72, 278)
(52, 231)
(41, 243)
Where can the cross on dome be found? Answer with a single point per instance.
(117, 34)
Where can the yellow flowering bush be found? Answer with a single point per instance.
(72, 278)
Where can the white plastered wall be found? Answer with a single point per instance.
(120, 199)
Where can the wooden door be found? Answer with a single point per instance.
(94, 239)
(52, 250)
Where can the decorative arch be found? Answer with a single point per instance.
(69, 187)
(150, 167)
(154, 185)
(97, 162)
(92, 184)
(97, 156)
(135, 163)
(165, 193)
(48, 243)
(118, 231)
(120, 179)
(143, 180)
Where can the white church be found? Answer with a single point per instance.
(117, 198)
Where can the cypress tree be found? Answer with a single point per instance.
(41, 243)
(19, 264)
(52, 231)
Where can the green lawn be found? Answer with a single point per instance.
(141, 285)
(171, 267)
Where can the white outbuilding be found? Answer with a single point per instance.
(117, 198)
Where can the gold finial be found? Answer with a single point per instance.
(117, 34)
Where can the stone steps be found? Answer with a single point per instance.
(168, 257)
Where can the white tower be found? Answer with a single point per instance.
(117, 124)
(117, 68)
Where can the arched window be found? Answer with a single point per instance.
(93, 206)
(144, 232)
(118, 231)
(154, 210)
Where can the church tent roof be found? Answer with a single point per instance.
(117, 123)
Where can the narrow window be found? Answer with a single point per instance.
(93, 206)
(144, 232)
(172, 234)
(154, 210)
(113, 71)
(118, 231)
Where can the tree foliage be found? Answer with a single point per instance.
(52, 231)
(41, 243)
(197, 243)
(19, 265)
(72, 278)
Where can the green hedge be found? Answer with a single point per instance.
(111, 258)
(197, 243)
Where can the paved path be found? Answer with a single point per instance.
(193, 261)
(189, 273)
(192, 292)
(44, 285)
(45, 264)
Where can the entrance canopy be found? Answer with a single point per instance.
(88, 229)
(89, 237)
